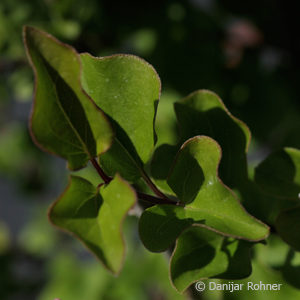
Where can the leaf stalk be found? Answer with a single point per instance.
(162, 199)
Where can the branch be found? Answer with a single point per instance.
(104, 177)
(153, 187)
(155, 200)
(152, 199)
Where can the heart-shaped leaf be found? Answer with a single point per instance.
(208, 202)
(204, 113)
(127, 89)
(64, 120)
(95, 216)
(279, 174)
(201, 254)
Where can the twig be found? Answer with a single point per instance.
(102, 174)
(153, 187)
(162, 199)
(155, 200)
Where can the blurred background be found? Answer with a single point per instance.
(245, 51)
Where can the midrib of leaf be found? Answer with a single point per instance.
(213, 214)
(70, 123)
(84, 202)
(67, 142)
(131, 158)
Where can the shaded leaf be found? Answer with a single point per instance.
(204, 113)
(64, 120)
(291, 268)
(127, 89)
(208, 202)
(96, 217)
(165, 121)
(160, 165)
(263, 206)
(201, 254)
(118, 159)
(261, 274)
(288, 226)
(280, 257)
(279, 174)
(167, 139)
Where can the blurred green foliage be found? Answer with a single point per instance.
(246, 52)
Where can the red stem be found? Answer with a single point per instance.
(152, 199)
(104, 177)
(155, 200)
(153, 187)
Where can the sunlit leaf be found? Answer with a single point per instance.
(64, 120)
(204, 113)
(201, 254)
(207, 201)
(127, 89)
(95, 216)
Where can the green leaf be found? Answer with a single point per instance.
(204, 113)
(201, 254)
(280, 257)
(287, 226)
(167, 137)
(208, 202)
(279, 174)
(160, 165)
(64, 121)
(291, 268)
(96, 217)
(127, 89)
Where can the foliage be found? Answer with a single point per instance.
(103, 110)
